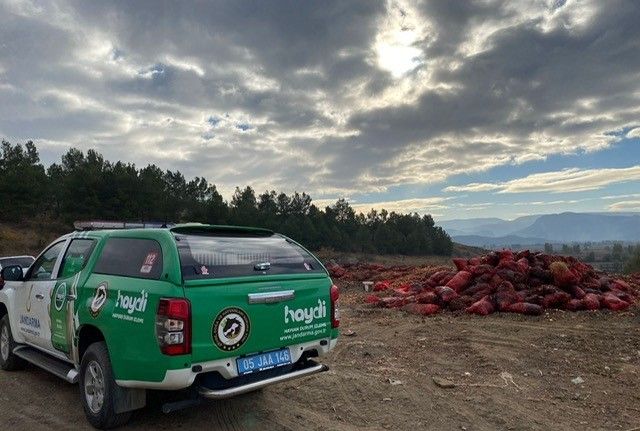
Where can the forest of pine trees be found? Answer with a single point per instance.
(86, 186)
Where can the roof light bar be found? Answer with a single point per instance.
(99, 224)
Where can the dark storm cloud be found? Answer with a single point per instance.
(529, 82)
(330, 97)
(275, 38)
(452, 20)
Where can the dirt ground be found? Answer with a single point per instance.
(510, 372)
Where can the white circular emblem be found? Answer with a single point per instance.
(231, 329)
(60, 295)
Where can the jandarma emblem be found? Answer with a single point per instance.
(99, 299)
(231, 329)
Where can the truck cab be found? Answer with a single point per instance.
(217, 310)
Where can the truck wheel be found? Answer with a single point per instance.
(98, 387)
(8, 361)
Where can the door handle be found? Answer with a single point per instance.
(271, 297)
(39, 296)
(71, 297)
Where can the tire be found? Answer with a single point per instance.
(8, 361)
(98, 389)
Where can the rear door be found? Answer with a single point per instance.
(252, 293)
(61, 307)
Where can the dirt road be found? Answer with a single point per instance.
(510, 372)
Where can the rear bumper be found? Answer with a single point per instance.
(217, 394)
(185, 377)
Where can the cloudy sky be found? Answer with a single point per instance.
(459, 109)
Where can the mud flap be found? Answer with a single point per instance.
(129, 399)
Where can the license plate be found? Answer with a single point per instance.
(263, 361)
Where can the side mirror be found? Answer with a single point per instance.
(12, 273)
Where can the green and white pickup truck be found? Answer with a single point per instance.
(217, 310)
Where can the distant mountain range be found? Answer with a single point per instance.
(538, 229)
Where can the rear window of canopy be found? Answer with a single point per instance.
(235, 254)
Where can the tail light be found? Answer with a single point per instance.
(335, 312)
(173, 326)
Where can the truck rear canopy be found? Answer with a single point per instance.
(214, 255)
